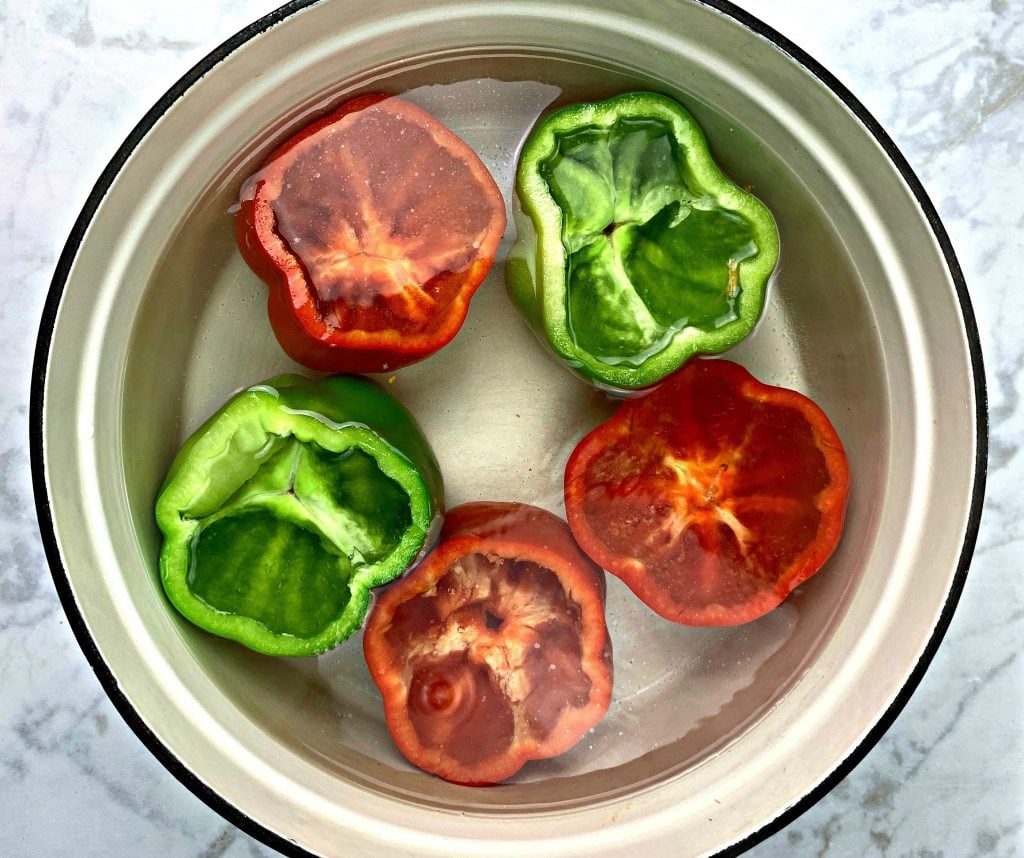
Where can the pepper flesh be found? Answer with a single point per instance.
(712, 497)
(494, 651)
(293, 500)
(634, 251)
(373, 228)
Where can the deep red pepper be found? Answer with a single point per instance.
(373, 227)
(713, 497)
(494, 651)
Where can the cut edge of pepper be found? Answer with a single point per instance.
(294, 311)
(831, 501)
(546, 306)
(179, 531)
(595, 658)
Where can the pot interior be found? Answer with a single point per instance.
(503, 415)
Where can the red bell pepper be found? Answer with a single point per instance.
(712, 497)
(494, 651)
(373, 227)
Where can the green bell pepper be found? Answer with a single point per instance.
(634, 251)
(283, 510)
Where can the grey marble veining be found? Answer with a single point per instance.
(946, 79)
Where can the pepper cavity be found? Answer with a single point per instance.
(712, 497)
(508, 619)
(634, 250)
(490, 654)
(373, 227)
(288, 505)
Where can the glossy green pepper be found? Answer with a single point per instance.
(283, 510)
(634, 250)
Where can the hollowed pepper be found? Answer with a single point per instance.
(494, 651)
(293, 500)
(634, 250)
(373, 228)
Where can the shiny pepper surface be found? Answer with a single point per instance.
(634, 250)
(293, 500)
(494, 650)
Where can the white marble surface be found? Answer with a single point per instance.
(945, 77)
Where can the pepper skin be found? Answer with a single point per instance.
(293, 500)
(372, 227)
(634, 251)
(494, 650)
(712, 497)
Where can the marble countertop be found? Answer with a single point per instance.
(945, 78)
